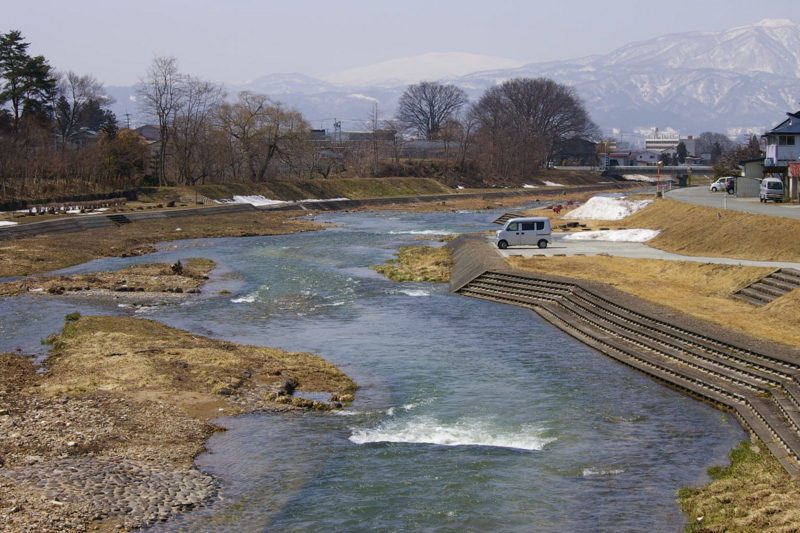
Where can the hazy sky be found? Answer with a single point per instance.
(237, 40)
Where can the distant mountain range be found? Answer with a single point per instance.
(741, 80)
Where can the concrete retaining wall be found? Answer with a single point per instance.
(757, 381)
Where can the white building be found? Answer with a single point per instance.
(782, 148)
(783, 142)
(659, 143)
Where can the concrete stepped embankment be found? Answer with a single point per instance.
(771, 287)
(757, 381)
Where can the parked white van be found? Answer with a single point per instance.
(771, 189)
(524, 231)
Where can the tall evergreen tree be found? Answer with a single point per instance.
(28, 83)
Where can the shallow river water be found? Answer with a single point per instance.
(471, 415)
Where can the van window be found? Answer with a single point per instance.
(527, 226)
(774, 185)
(540, 225)
(514, 226)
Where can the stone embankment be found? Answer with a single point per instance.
(757, 381)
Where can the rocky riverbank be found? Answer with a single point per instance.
(104, 438)
(177, 278)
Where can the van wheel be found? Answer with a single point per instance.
(502, 245)
(542, 243)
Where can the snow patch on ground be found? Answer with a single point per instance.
(526, 186)
(604, 208)
(7, 223)
(258, 200)
(553, 184)
(622, 235)
(641, 177)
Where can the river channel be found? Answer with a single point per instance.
(471, 415)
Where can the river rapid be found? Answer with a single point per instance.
(471, 415)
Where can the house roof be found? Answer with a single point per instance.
(149, 132)
(790, 125)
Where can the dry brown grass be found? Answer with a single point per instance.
(35, 255)
(545, 194)
(152, 277)
(696, 230)
(704, 231)
(127, 354)
(753, 495)
(419, 263)
(699, 290)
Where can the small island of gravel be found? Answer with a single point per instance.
(104, 438)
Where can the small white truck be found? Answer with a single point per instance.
(524, 231)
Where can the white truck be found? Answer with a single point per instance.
(524, 231)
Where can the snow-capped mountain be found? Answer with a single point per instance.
(279, 84)
(410, 70)
(739, 80)
(771, 46)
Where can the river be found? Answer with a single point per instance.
(471, 415)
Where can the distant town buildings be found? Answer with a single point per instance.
(662, 142)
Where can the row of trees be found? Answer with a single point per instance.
(512, 130)
(204, 137)
(44, 116)
(56, 132)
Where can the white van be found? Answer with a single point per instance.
(524, 231)
(771, 189)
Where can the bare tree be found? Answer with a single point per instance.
(523, 119)
(373, 126)
(261, 131)
(428, 105)
(74, 97)
(191, 133)
(397, 129)
(466, 137)
(714, 144)
(162, 90)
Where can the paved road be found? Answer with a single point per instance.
(626, 249)
(694, 195)
(720, 200)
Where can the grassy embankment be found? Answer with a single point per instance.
(751, 495)
(698, 290)
(355, 189)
